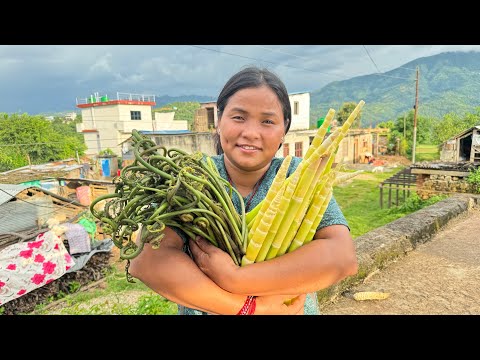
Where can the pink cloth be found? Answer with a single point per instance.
(29, 265)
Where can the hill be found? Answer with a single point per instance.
(162, 100)
(448, 82)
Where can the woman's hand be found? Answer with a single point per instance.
(214, 262)
(276, 305)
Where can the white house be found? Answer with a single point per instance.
(300, 104)
(107, 122)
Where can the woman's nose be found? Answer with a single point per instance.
(251, 131)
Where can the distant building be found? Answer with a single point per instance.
(300, 104)
(70, 116)
(107, 122)
(206, 118)
(464, 146)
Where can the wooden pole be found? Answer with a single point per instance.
(415, 120)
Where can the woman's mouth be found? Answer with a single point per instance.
(248, 147)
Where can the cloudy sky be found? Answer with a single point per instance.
(48, 78)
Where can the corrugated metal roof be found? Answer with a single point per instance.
(9, 191)
(60, 165)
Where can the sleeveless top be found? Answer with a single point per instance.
(332, 216)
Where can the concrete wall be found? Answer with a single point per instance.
(190, 143)
(164, 121)
(300, 121)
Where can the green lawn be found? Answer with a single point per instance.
(425, 152)
(360, 203)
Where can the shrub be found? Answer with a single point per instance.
(474, 179)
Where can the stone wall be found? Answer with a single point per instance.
(429, 185)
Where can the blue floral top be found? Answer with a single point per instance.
(333, 215)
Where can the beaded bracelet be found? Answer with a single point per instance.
(249, 306)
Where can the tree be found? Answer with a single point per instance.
(401, 132)
(452, 124)
(31, 138)
(345, 111)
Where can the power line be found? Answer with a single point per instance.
(270, 62)
(281, 52)
(376, 67)
(377, 74)
(378, 70)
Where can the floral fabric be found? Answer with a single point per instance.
(29, 265)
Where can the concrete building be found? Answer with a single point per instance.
(107, 122)
(300, 104)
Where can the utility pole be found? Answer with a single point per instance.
(415, 120)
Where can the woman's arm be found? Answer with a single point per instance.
(329, 258)
(174, 275)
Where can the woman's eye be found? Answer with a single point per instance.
(268, 122)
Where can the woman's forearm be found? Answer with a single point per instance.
(312, 267)
(173, 274)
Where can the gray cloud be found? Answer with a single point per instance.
(44, 78)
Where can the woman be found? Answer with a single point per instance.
(253, 117)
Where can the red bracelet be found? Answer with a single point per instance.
(249, 306)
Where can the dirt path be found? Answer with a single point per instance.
(441, 276)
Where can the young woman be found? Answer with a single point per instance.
(254, 115)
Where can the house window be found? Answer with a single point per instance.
(298, 149)
(135, 115)
(286, 150)
(295, 108)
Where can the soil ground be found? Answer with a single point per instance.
(439, 277)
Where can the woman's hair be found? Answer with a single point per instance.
(253, 77)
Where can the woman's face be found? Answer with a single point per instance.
(251, 128)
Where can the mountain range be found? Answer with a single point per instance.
(447, 82)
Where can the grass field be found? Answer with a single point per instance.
(360, 203)
(426, 153)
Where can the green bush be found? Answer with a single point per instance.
(415, 202)
(474, 179)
